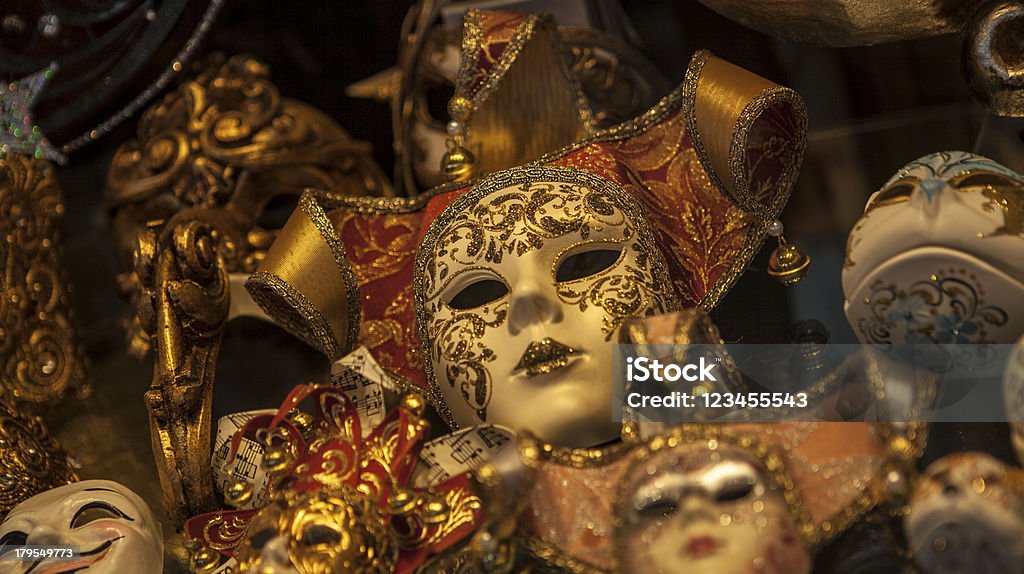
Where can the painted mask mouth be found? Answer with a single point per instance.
(83, 562)
(700, 547)
(545, 356)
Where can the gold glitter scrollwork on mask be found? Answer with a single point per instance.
(512, 213)
(41, 360)
(626, 292)
(458, 343)
(224, 532)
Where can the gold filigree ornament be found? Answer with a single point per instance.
(193, 200)
(40, 358)
(30, 460)
(345, 500)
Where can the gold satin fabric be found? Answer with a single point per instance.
(724, 92)
(302, 258)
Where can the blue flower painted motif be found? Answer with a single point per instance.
(953, 328)
(908, 308)
(944, 309)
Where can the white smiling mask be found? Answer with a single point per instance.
(113, 529)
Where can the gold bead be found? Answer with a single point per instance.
(457, 164)
(203, 560)
(787, 264)
(302, 421)
(402, 502)
(275, 459)
(459, 108)
(901, 448)
(414, 403)
(435, 512)
(238, 492)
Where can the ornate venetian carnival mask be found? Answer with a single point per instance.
(227, 149)
(197, 198)
(937, 255)
(616, 79)
(500, 294)
(114, 530)
(522, 283)
(709, 505)
(967, 515)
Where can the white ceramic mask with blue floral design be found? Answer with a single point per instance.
(938, 256)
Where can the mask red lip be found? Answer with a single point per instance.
(544, 356)
(701, 547)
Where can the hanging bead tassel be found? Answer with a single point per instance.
(457, 162)
(787, 264)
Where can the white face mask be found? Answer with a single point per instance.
(113, 528)
(936, 256)
(701, 511)
(523, 286)
(696, 510)
(965, 516)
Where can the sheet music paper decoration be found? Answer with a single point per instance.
(246, 465)
(460, 451)
(363, 380)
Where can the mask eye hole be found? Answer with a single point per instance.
(96, 511)
(436, 95)
(586, 263)
(478, 293)
(317, 534)
(12, 540)
(733, 491)
(986, 180)
(897, 193)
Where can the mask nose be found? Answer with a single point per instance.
(43, 535)
(694, 505)
(531, 305)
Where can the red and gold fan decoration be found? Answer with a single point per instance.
(341, 498)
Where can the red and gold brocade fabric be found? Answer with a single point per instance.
(706, 237)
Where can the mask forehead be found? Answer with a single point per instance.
(948, 165)
(68, 498)
(512, 213)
